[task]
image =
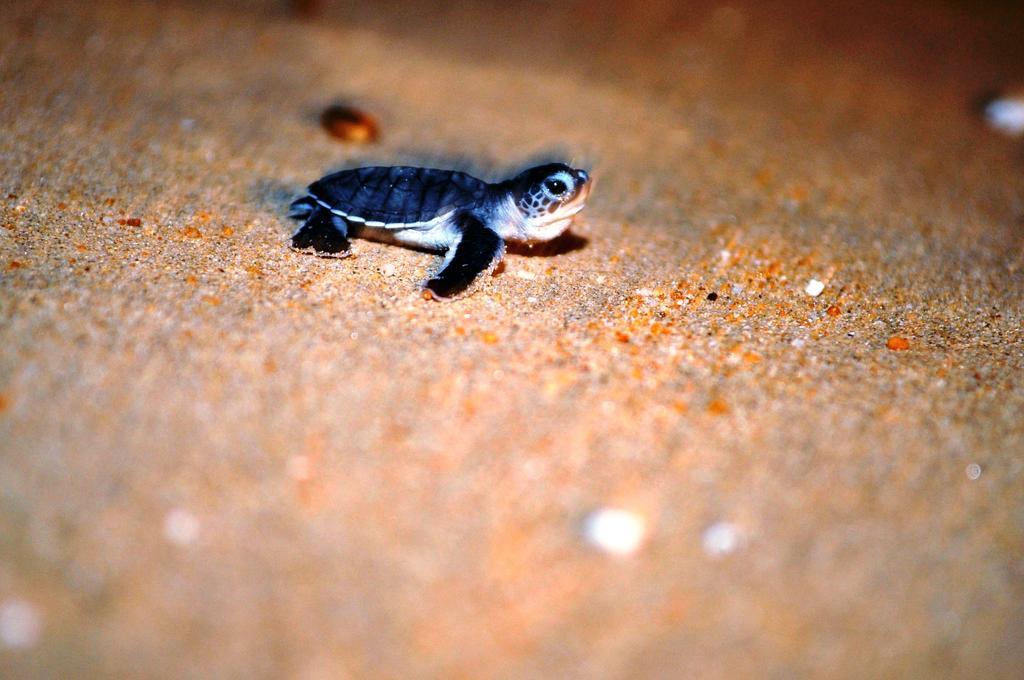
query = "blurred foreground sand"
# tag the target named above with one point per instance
(221, 458)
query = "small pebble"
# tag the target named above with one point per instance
(388, 270)
(973, 471)
(20, 624)
(1006, 114)
(814, 287)
(897, 343)
(181, 527)
(300, 468)
(307, 8)
(349, 124)
(712, 296)
(527, 275)
(614, 530)
(721, 538)
(717, 407)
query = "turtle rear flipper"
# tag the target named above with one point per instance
(477, 250)
(302, 208)
(323, 232)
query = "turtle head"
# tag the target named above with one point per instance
(548, 196)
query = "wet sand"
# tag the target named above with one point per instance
(220, 457)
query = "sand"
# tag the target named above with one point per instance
(222, 458)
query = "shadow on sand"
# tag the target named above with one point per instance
(567, 242)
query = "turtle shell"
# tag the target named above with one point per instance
(397, 196)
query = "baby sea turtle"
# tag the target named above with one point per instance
(442, 210)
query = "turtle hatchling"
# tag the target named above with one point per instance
(443, 210)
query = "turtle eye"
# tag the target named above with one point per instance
(556, 186)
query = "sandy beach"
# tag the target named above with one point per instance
(785, 338)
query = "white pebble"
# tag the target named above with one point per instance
(721, 538)
(388, 269)
(814, 287)
(614, 530)
(1006, 114)
(300, 468)
(20, 624)
(181, 527)
(524, 274)
(973, 471)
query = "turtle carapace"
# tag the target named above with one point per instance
(444, 210)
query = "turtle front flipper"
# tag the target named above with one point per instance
(476, 250)
(323, 232)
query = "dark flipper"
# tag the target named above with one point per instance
(322, 232)
(476, 251)
(301, 208)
